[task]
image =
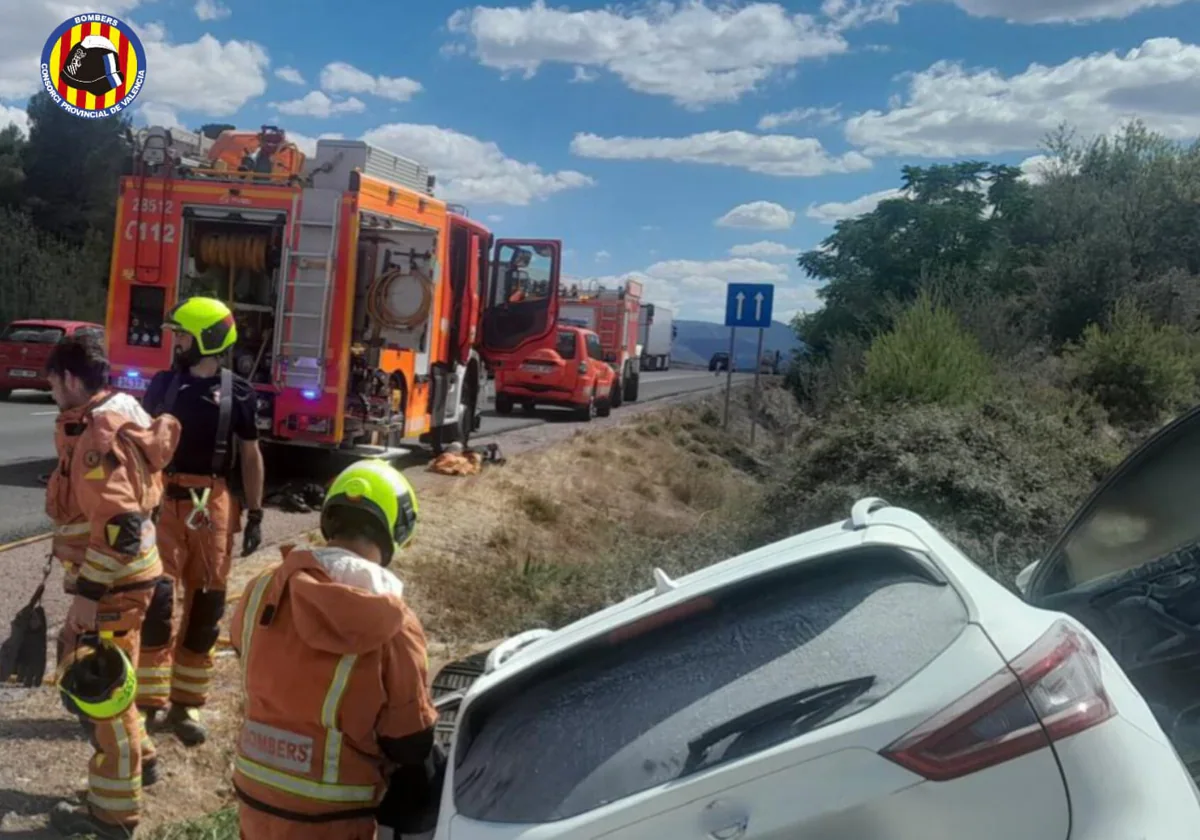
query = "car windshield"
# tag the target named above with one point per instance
(32, 334)
(619, 715)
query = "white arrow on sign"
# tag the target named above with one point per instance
(758, 299)
(741, 298)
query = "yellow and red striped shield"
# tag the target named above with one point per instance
(101, 79)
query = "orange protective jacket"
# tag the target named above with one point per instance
(334, 666)
(103, 492)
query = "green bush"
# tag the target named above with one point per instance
(44, 277)
(1136, 369)
(1000, 477)
(926, 358)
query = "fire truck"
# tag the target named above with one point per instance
(361, 299)
(613, 315)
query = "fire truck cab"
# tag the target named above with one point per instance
(361, 299)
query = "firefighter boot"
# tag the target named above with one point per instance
(75, 821)
(184, 721)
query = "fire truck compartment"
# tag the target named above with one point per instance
(394, 294)
(228, 256)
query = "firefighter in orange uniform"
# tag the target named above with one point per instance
(201, 513)
(334, 673)
(101, 498)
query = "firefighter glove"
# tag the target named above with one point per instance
(252, 535)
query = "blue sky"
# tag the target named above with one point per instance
(687, 144)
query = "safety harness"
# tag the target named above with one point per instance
(199, 513)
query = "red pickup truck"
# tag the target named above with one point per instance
(25, 346)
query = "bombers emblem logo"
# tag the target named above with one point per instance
(93, 66)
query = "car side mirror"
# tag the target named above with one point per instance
(1024, 577)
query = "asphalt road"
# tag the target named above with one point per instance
(27, 445)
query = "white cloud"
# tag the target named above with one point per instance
(340, 77)
(206, 76)
(211, 10)
(307, 144)
(763, 250)
(1059, 11)
(495, 217)
(602, 256)
(692, 52)
(154, 114)
(583, 75)
(820, 116)
(1037, 168)
(848, 14)
(317, 104)
(832, 211)
(290, 74)
(14, 116)
(473, 170)
(768, 154)
(950, 110)
(695, 289)
(758, 215)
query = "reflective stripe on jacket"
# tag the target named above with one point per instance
(104, 489)
(333, 659)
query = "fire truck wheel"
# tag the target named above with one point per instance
(618, 394)
(504, 404)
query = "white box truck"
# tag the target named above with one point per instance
(656, 330)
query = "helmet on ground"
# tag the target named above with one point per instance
(208, 321)
(380, 490)
(98, 680)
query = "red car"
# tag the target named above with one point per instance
(25, 346)
(570, 374)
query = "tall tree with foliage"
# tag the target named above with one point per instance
(71, 167)
(876, 263)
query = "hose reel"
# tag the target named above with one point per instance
(385, 296)
(233, 250)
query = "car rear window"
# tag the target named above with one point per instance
(32, 334)
(615, 718)
(566, 344)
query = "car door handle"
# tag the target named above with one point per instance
(732, 831)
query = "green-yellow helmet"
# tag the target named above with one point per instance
(98, 679)
(208, 321)
(375, 487)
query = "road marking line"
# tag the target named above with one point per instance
(41, 413)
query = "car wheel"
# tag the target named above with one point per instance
(504, 404)
(604, 407)
(5, 393)
(585, 413)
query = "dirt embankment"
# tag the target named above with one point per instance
(575, 520)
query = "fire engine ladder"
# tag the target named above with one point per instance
(308, 275)
(608, 327)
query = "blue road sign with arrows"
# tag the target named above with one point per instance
(749, 305)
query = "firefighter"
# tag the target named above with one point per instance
(101, 498)
(334, 673)
(200, 513)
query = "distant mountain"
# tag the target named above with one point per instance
(696, 341)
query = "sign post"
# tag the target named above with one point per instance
(747, 305)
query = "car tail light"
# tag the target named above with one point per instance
(1052, 690)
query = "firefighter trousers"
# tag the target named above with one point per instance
(121, 747)
(258, 825)
(197, 553)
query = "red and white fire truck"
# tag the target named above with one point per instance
(362, 301)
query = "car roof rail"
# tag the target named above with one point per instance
(860, 514)
(663, 582)
(506, 649)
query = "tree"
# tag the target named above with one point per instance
(12, 172)
(72, 165)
